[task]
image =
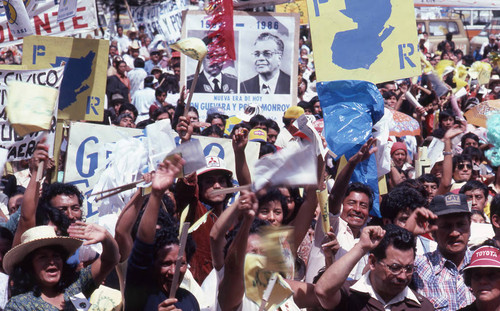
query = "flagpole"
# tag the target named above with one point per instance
(193, 86)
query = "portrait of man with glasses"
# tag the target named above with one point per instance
(267, 54)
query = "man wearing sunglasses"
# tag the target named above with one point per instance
(462, 171)
(267, 53)
(439, 274)
(385, 285)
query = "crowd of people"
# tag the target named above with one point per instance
(431, 240)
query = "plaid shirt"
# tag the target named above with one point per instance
(440, 281)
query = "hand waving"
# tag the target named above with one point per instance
(164, 176)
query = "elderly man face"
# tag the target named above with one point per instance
(267, 57)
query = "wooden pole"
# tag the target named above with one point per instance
(178, 262)
(193, 86)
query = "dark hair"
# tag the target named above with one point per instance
(473, 185)
(8, 236)
(138, 63)
(461, 158)
(268, 36)
(444, 114)
(470, 136)
(298, 200)
(255, 228)
(213, 129)
(266, 148)
(399, 200)
(51, 191)
(428, 178)
(477, 212)
(117, 63)
(169, 83)
(398, 237)
(121, 117)
(23, 277)
(495, 205)
(213, 116)
(257, 120)
(159, 91)
(159, 111)
(304, 105)
(414, 184)
(473, 152)
(359, 187)
(165, 218)
(129, 107)
(169, 236)
(389, 94)
(274, 194)
(46, 214)
(271, 124)
(17, 190)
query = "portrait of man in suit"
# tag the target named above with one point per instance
(270, 79)
(212, 79)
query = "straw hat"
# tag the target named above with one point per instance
(35, 238)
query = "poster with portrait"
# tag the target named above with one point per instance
(264, 71)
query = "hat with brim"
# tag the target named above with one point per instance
(34, 239)
(214, 164)
(485, 257)
(495, 79)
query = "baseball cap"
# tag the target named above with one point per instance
(214, 164)
(485, 257)
(449, 203)
(257, 135)
(217, 110)
(293, 112)
(156, 68)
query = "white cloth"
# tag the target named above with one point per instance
(129, 60)
(284, 137)
(142, 100)
(123, 43)
(364, 286)
(346, 241)
(136, 77)
(4, 292)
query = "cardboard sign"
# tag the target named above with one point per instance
(43, 19)
(296, 6)
(21, 148)
(84, 87)
(373, 41)
(478, 115)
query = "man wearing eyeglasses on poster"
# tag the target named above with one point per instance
(385, 285)
(267, 54)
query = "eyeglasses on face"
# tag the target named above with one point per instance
(266, 53)
(463, 165)
(397, 268)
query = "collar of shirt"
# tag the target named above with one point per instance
(363, 285)
(211, 80)
(438, 260)
(271, 84)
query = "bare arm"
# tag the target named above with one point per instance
(125, 223)
(27, 219)
(342, 180)
(240, 141)
(231, 288)
(303, 294)
(328, 286)
(304, 217)
(445, 184)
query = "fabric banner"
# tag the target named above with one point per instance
(44, 21)
(21, 148)
(89, 147)
(373, 41)
(164, 18)
(86, 60)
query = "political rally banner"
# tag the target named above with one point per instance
(373, 41)
(21, 148)
(88, 151)
(164, 18)
(84, 87)
(295, 6)
(266, 47)
(44, 21)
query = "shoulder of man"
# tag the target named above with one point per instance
(425, 303)
(230, 76)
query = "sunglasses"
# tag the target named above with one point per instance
(462, 166)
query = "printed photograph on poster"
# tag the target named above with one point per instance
(266, 46)
(214, 77)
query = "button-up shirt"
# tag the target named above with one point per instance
(441, 281)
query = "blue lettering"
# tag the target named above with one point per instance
(93, 157)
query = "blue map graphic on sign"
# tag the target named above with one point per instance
(76, 72)
(360, 47)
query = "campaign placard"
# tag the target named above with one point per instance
(373, 41)
(84, 86)
(265, 72)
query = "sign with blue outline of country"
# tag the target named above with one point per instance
(83, 89)
(372, 40)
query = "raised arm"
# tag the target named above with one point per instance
(328, 286)
(445, 183)
(343, 178)
(162, 179)
(223, 224)
(240, 141)
(126, 222)
(92, 234)
(27, 219)
(304, 217)
(231, 288)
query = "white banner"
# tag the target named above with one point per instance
(44, 21)
(458, 3)
(22, 147)
(165, 18)
(85, 158)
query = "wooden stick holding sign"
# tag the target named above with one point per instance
(268, 291)
(178, 263)
(196, 49)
